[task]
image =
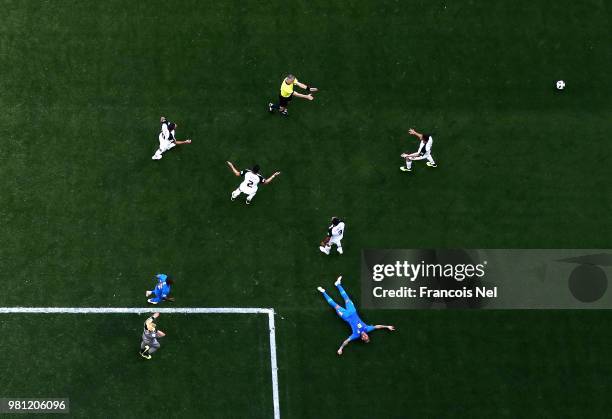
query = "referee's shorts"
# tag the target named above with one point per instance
(284, 101)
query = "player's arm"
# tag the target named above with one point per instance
(341, 348)
(309, 96)
(382, 326)
(415, 133)
(268, 180)
(160, 334)
(306, 87)
(187, 141)
(233, 168)
(162, 119)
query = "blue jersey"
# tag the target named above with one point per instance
(357, 325)
(161, 290)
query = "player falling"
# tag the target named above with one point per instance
(424, 151)
(349, 314)
(252, 179)
(167, 139)
(335, 233)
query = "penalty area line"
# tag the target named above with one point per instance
(172, 310)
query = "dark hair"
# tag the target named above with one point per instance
(169, 281)
(335, 221)
(171, 126)
(255, 169)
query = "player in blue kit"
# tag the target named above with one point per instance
(161, 292)
(349, 314)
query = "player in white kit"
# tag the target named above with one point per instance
(335, 233)
(167, 139)
(252, 179)
(424, 151)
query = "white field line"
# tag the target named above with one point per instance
(171, 310)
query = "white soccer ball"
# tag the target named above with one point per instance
(560, 85)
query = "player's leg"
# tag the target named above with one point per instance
(161, 149)
(347, 300)
(408, 165)
(153, 347)
(280, 105)
(430, 160)
(331, 302)
(283, 103)
(327, 248)
(338, 243)
(236, 193)
(144, 349)
(250, 196)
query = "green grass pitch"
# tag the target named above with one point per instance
(88, 218)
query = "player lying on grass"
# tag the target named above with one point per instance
(167, 139)
(424, 151)
(349, 314)
(161, 292)
(287, 93)
(150, 344)
(249, 185)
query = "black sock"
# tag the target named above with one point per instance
(275, 106)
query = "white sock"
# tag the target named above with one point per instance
(340, 250)
(408, 163)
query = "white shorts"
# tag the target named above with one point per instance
(335, 240)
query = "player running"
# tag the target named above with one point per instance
(149, 343)
(424, 151)
(161, 292)
(349, 314)
(335, 233)
(167, 139)
(287, 93)
(249, 185)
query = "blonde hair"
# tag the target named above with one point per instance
(151, 326)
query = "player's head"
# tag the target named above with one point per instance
(335, 221)
(151, 326)
(161, 277)
(172, 126)
(255, 169)
(365, 337)
(290, 78)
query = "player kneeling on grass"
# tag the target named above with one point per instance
(150, 344)
(167, 139)
(349, 314)
(287, 93)
(335, 233)
(424, 151)
(249, 185)
(161, 292)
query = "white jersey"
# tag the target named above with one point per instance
(251, 180)
(425, 146)
(337, 232)
(166, 134)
